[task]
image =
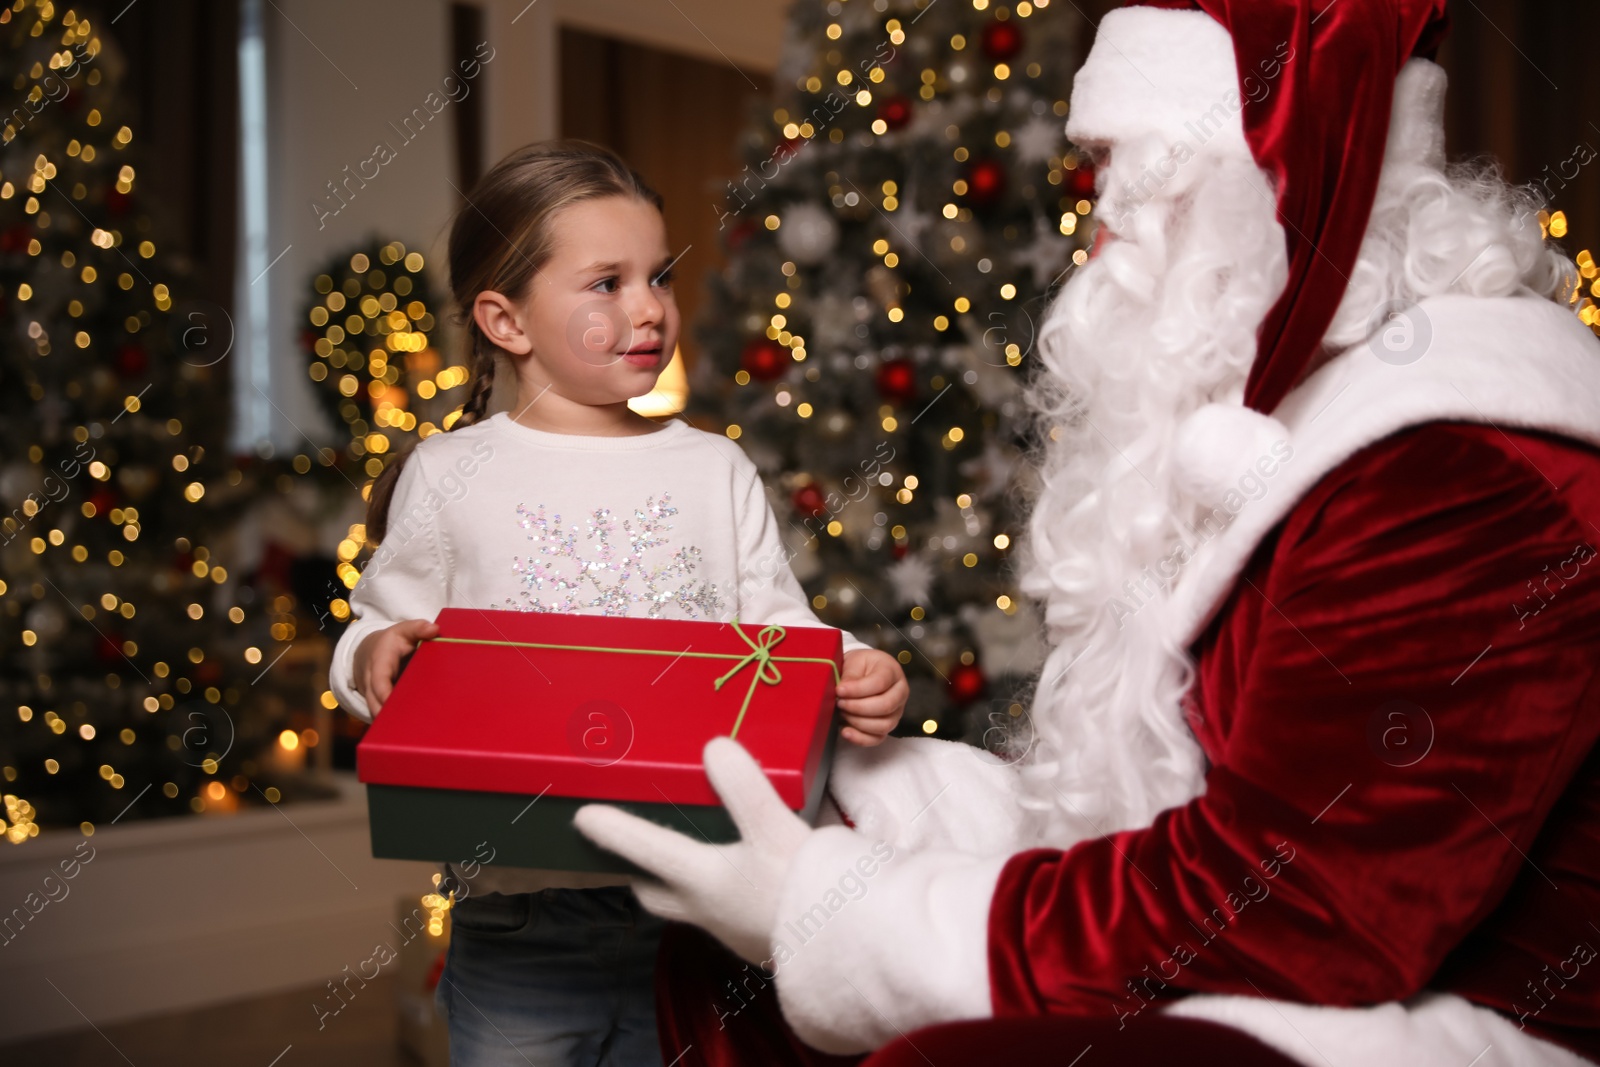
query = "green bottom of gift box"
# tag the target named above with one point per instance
(517, 830)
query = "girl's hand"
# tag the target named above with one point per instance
(872, 694)
(377, 659)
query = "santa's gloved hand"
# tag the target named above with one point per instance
(729, 890)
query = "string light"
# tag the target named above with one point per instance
(438, 907)
(116, 325)
(1587, 291)
(18, 824)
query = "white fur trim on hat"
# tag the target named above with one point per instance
(1160, 71)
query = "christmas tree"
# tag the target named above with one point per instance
(137, 672)
(908, 204)
(368, 333)
(1585, 295)
(369, 320)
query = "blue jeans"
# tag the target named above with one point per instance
(558, 978)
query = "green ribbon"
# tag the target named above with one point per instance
(768, 638)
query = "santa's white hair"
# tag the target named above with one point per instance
(1162, 321)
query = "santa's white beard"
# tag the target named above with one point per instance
(1162, 321)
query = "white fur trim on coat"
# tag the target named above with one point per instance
(1430, 1030)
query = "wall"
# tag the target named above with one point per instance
(524, 105)
(341, 78)
(339, 74)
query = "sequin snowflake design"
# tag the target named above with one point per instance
(588, 569)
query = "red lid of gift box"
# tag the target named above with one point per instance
(488, 706)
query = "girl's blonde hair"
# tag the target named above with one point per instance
(499, 239)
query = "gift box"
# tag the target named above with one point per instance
(501, 727)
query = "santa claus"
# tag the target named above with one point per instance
(1310, 775)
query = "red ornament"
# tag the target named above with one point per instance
(967, 683)
(764, 360)
(741, 232)
(16, 238)
(897, 380)
(986, 182)
(277, 564)
(1001, 41)
(117, 202)
(308, 340)
(103, 501)
(895, 111)
(108, 649)
(898, 550)
(808, 500)
(131, 359)
(786, 149)
(1081, 181)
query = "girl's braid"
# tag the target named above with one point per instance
(482, 380)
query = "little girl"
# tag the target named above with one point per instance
(570, 502)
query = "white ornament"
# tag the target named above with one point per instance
(1007, 644)
(990, 471)
(46, 620)
(953, 526)
(928, 122)
(1046, 255)
(912, 580)
(19, 480)
(808, 233)
(1039, 140)
(910, 224)
(833, 321)
(987, 373)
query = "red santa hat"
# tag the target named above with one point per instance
(1306, 88)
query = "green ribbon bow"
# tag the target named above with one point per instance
(766, 670)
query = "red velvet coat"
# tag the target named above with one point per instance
(1399, 708)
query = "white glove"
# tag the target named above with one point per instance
(729, 890)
